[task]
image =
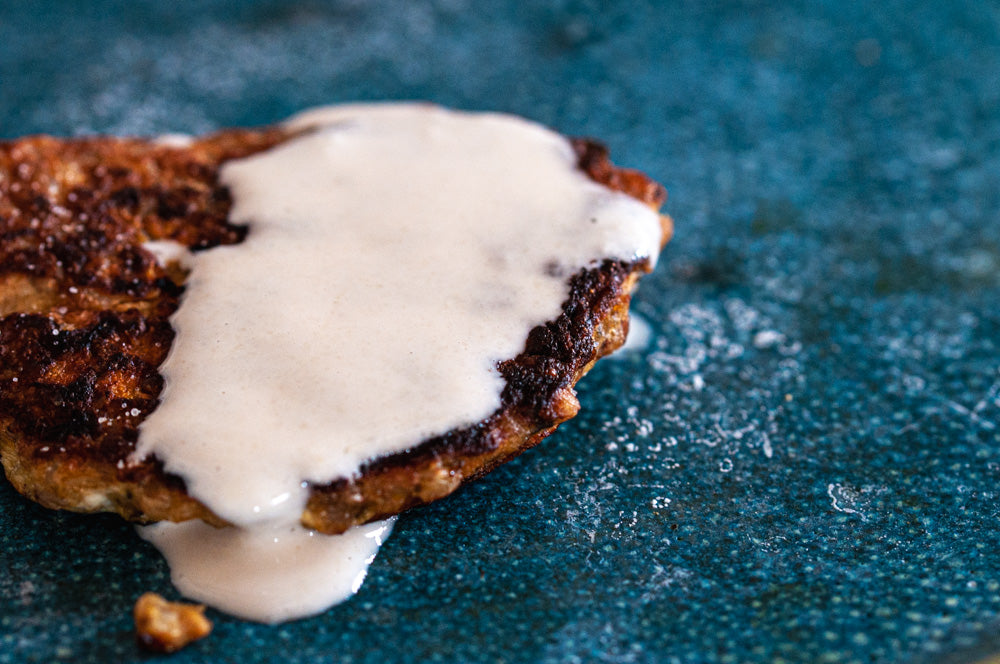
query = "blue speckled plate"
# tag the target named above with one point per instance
(802, 463)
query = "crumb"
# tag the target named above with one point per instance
(163, 626)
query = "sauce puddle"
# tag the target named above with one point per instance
(248, 572)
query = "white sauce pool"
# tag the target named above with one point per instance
(396, 253)
(266, 573)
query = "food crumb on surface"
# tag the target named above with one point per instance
(166, 627)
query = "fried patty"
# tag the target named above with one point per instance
(84, 324)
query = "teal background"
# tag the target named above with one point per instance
(803, 464)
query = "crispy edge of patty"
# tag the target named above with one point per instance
(124, 296)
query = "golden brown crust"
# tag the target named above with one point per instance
(166, 627)
(84, 324)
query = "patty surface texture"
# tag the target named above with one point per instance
(84, 324)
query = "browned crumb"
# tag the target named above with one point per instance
(163, 626)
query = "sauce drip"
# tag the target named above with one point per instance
(267, 573)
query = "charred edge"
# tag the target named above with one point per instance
(592, 157)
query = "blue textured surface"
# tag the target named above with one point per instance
(801, 466)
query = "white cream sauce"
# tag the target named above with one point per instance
(283, 569)
(179, 141)
(395, 254)
(168, 251)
